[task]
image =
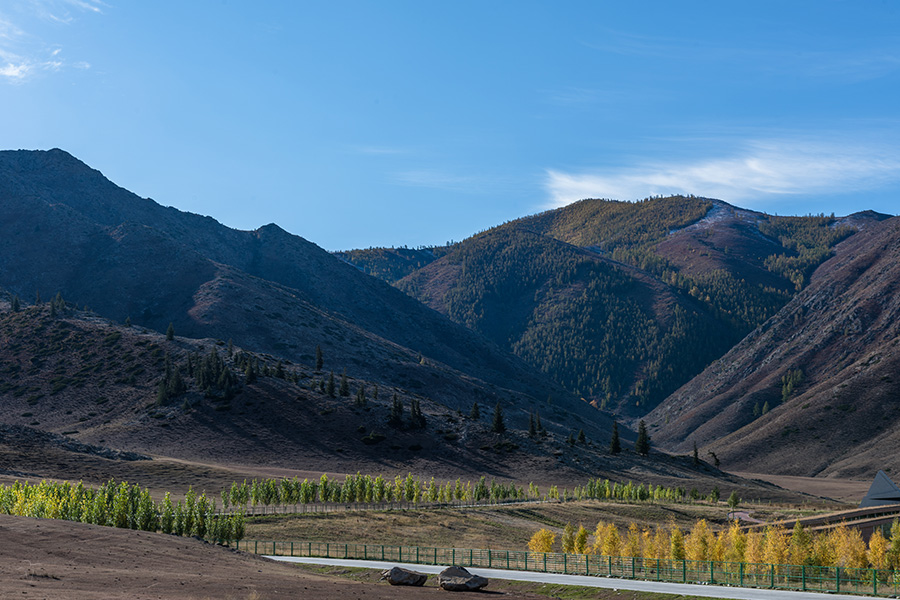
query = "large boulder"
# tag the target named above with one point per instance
(457, 579)
(400, 576)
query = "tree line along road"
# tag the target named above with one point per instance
(704, 591)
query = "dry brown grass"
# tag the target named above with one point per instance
(502, 528)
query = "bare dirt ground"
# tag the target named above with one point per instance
(842, 490)
(63, 560)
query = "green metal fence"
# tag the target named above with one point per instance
(876, 582)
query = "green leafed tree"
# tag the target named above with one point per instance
(170, 332)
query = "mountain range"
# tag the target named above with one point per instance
(741, 332)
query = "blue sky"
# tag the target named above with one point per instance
(357, 124)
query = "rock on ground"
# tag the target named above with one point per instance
(401, 576)
(458, 579)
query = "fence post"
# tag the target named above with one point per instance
(657, 570)
(292, 548)
(490, 563)
(328, 550)
(587, 565)
(874, 582)
(565, 566)
(683, 570)
(837, 579)
(741, 570)
(382, 552)
(507, 560)
(803, 576)
(545, 562)
(418, 562)
(632, 567)
(255, 547)
(453, 554)
(772, 576)
(711, 569)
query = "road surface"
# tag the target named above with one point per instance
(706, 591)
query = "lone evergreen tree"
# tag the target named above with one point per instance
(416, 418)
(581, 439)
(279, 370)
(361, 396)
(319, 360)
(16, 305)
(642, 444)
(696, 455)
(127, 321)
(250, 373)
(476, 412)
(497, 425)
(615, 446)
(532, 430)
(330, 387)
(170, 332)
(395, 419)
(345, 387)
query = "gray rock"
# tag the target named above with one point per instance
(457, 579)
(400, 576)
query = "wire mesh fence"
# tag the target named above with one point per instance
(877, 582)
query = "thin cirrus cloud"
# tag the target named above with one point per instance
(763, 169)
(24, 53)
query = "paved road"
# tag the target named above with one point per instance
(706, 591)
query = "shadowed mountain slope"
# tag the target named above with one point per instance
(66, 228)
(814, 390)
(624, 302)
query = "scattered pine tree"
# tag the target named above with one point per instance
(615, 445)
(642, 444)
(497, 424)
(345, 386)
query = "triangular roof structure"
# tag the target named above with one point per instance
(883, 491)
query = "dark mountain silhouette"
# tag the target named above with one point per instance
(814, 390)
(65, 228)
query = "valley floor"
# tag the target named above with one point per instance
(842, 490)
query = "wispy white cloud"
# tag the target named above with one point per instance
(437, 178)
(379, 150)
(767, 168)
(847, 65)
(24, 53)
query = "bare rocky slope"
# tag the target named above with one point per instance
(839, 413)
(64, 228)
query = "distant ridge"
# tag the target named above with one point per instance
(839, 413)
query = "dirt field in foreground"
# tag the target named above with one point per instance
(63, 560)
